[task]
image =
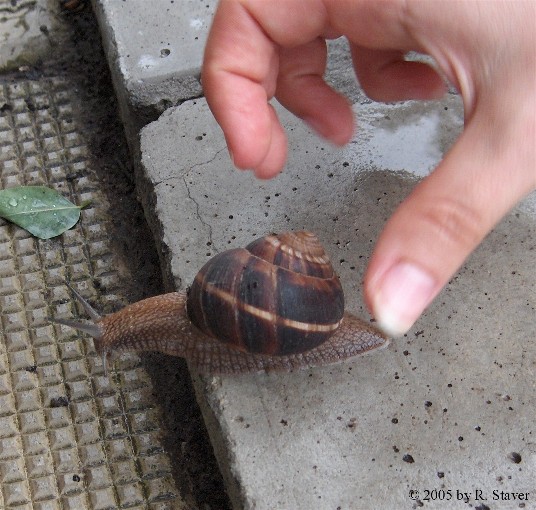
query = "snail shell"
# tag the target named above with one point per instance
(279, 295)
(275, 305)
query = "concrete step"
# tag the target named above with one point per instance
(441, 408)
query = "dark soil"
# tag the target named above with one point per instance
(82, 62)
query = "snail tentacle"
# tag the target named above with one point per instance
(95, 316)
(92, 328)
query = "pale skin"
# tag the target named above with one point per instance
(261, 49)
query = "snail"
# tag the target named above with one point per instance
(275, 305)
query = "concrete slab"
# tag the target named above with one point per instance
(154, 50)
(444, 416)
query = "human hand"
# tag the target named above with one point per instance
(258, 49)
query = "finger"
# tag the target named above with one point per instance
(385, 75)
(238, 75)
(446, 217)
(302, 90)
(276, 155)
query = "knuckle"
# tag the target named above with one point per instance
(453, 222)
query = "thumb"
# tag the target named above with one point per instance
(447, 215)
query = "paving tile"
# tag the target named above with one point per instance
(34, 443)
(46, 505)
(43, 488)
(12, 470)
(130, 494)
(76, 502)
(70, 484)
(16, 493)
(102, 499)
(66, 461)
(33, 421)
(39, 465)
(58, 412)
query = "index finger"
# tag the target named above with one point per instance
(238, 80)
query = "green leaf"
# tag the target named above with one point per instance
(40, 210)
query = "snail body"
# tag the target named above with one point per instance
(275, 305)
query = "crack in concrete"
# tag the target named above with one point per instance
(203, 163)
(216, 154)
(205, 224)
(197, 213)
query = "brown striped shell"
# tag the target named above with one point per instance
(278, 296)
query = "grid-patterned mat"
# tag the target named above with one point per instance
(70, 438)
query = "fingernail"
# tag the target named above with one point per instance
(404, 292)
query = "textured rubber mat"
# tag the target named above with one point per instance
(70, 437)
